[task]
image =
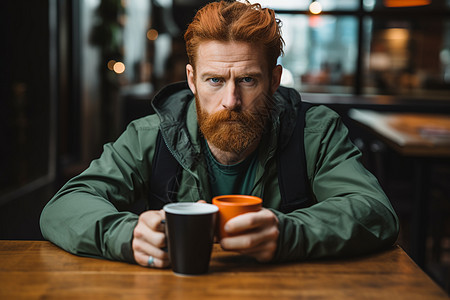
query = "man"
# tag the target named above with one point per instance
(226, 138)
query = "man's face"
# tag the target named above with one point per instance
(233, 88)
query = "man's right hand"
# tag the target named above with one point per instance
(149, 238)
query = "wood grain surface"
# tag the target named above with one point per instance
(40, 270)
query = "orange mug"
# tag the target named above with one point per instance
(231, 206)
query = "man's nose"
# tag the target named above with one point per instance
(232, 98)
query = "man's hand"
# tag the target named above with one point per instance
(149, 238)
(254, 234)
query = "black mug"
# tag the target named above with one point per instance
(190, 236)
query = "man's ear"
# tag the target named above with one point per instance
(191, 78)
(276, 78)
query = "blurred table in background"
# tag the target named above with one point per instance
(410, 134)
(423, 137)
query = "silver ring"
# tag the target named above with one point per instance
(151, 261)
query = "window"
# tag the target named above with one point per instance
(366, 46)
(320, 53)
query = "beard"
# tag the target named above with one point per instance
(234, 130)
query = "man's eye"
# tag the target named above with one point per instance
(247, 80)
(214, 80)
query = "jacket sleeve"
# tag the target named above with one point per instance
(85, 217)
(352, 215)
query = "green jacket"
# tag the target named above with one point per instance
(89, 216)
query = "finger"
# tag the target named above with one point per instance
(161, 263)
(269, 245)
(263, 253)
(154, 219)
(150, 229)
(251, 220)
(250, 239)
(149, 248)
(158, 262)
(239, 242)
(148, 236)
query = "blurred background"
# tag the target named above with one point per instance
(76, 72)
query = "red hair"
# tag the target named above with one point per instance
(235, 21)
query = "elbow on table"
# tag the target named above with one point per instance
(393, 229)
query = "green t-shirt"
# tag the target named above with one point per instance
(231, 179)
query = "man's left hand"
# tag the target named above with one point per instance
(254, 234)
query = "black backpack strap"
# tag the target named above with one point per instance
(292, 173)
(165, 176)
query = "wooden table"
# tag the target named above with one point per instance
(40, 270)
(423, 137)
(410, 134)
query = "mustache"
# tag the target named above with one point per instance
(238, 114)
(229, 115)
(243, 118)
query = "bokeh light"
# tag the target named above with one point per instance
(119, 67)
(315, 8)
(152, 34)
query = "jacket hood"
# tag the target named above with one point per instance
(171, 104)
